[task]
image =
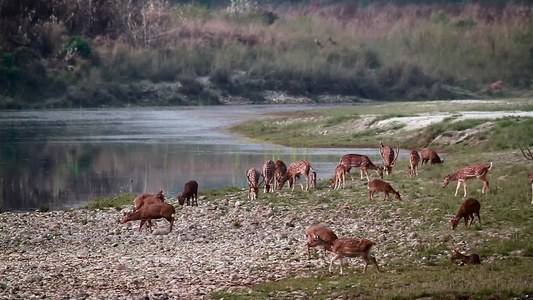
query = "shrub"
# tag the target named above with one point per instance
(76, 45)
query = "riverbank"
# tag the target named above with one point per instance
(232, 248)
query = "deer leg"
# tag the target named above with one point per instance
(171, 223)
(371, 194)
(337, 256)
(150, 225)
(343, 181)
(142, 223)
(341, 260)
(531, 193)
(306, 182)
(373, 259)
(458, 186)
(386, 196)
(479, 219)
(466, 221)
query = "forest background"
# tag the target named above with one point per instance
(102, 53)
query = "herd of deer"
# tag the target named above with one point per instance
(274, 175)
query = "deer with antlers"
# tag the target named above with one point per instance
(463, 174)
(388, 156)
(528, 156)
(360, 161)
(301, 167)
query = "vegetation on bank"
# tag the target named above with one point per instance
(81, 53)
(360, 126)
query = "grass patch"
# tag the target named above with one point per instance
(114, 202)
(386, 117)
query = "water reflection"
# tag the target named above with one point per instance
(62, 159)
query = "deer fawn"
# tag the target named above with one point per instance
(349, 247)
(388, 156)
(431, 156)
(360, 161)
(301, 167)
(466, 259)
(340, 177)
(326, 234)
(281, 169)
(498, 85)
(463, 174)
(380, 185)
(528, 156)
(253, 176)
(467, 210)
(269, 168)
(414, 159)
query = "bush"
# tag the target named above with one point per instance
(76, 45)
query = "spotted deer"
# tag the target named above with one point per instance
(379, 185)
(498, 85)
(326, 234)
(466, 259)
(301, 167)
(528, 156)
(253, 175)
(431, 156)
(463, 174)
(389, 157)
(269, 168)
(349, 247)
(280, 171)
(339, 178)
(414, 159)
(360, 161)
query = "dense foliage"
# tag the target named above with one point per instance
(86, 53)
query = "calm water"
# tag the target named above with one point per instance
(63, 158)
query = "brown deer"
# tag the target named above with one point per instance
(340, 177)
(498, 85)
(301, 167)
(431, 156)
(463, 174)
(382, 186)
(467, 210)
(414, 159)
(349, 247)
(466, 259)
(360, 161)
(333, 43)
(528, 156)
(326, 234)
(269, 168)
(318, 43)
(189, 193)
(281, 169)
(253, 177)
(146, 199)
(389, 157)
(149, 212)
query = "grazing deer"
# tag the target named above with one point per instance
(318, 43)
(269, 168)
(463, 174)
(431, 156)
(340, 177)
(294, 171)
(326, 234)
(414, 159)
(467, 210)
(253, 175)
(382, 186)
(332, 41)
(498, 85)
(189, 195)
(349, 247)
(528, 156)
(388, 156)
(360, 161)
(149, 212)
(281, 169)
(466, 259)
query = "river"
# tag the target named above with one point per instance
(61, 159)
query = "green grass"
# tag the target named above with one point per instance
(110, 202)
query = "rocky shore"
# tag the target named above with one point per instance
(226, 243)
